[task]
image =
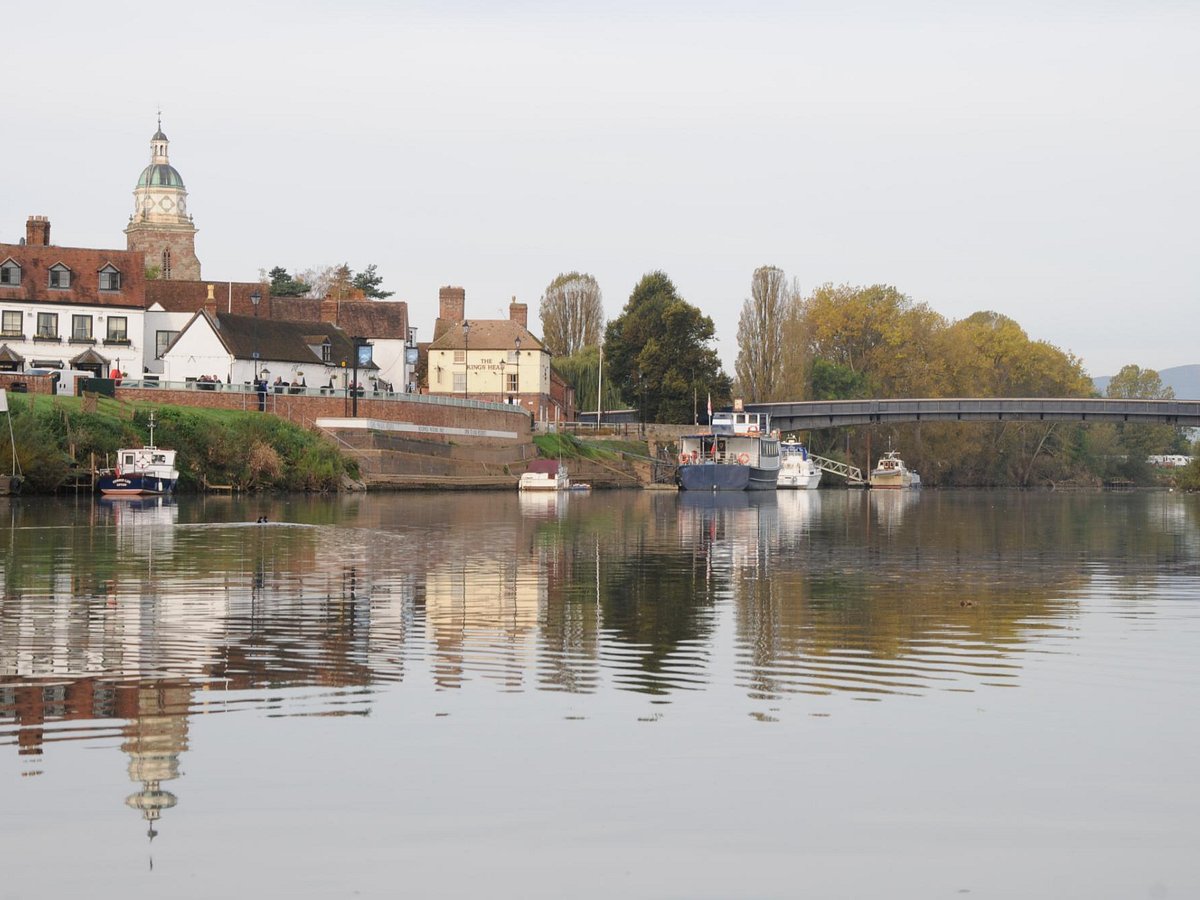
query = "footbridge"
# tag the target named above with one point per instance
(808, 415)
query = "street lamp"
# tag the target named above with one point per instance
(517, 345)
(466, 359)
(256, 298)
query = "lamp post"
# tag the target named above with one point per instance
(466, 359)
(358, 342)
(517, 345)
(256, 298)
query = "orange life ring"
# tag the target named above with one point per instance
(743, 458)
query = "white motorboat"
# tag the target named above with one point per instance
(797, 470)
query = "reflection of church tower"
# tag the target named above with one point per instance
(160, 225)
(156, 737)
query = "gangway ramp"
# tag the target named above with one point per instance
(852, 474)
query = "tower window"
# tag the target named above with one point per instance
(60, 276)
(110, 279)
(166, 263)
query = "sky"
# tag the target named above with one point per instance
(1038, 159)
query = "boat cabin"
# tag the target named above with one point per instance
(741, 423)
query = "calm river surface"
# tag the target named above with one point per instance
(624, 694)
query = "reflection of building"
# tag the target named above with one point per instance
(154, 740)
(486, 606)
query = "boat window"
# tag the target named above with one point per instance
(129, 459)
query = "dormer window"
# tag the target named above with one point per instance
(326, 351)
(60, 276)
(110, 278)
(10, 273)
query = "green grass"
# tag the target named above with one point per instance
(248, 450)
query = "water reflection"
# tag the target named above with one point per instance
(122, 619)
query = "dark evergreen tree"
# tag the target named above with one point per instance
(659, 353)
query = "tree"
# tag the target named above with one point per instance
(760, 359)
(572, 314)
(283, 285)
(368, 281)
(1141, 441)
(659, 353)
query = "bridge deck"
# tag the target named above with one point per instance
(800, 416)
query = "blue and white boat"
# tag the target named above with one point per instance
(140, 471)
(738, 454)
(797, 470)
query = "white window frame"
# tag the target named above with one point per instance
(7, 316)
(60, 277)
(110, 278)
(50, 332)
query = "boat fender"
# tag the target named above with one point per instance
(743, 458)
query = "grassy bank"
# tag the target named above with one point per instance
(55, 438)
(569, 446)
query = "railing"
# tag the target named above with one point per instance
(852, 474)
(296, 390)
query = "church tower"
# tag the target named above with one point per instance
(160, 225)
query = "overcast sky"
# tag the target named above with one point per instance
(1034, 158)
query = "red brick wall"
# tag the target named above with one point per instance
(304, 410)
(36, 384)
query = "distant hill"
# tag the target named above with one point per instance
(1184, 380)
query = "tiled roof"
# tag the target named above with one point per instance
(190, 296)
(85, 264)
(285, 341)
(378, 319)
(486, 334)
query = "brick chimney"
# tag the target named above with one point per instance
(37, 231)
(452, 304)
(519, 313)
(330, 308)
(210, 302)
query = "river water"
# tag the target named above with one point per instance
(635, 694)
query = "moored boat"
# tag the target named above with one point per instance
(890, 473)
(738, 454)
(140, 471)
(547, 475)
(797, 470)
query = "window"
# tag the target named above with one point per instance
(460, 356)
(60, 276)
(10, 273)
(47, 328)
(514, 357)
(162, 340)
(514, 381)
(12, 323)
(166, 264)
(81, 328)
(326, 352)
(460, 382)
(118, 329)
(110, 279)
